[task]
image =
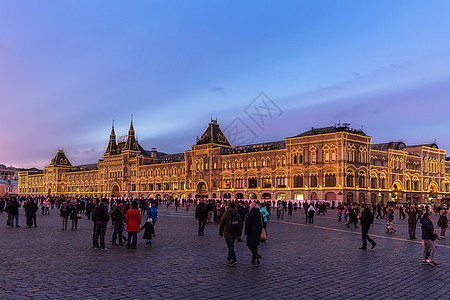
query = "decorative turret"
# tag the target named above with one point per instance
(112, 145)
(131, 143)
(213, 135)
(60, 160)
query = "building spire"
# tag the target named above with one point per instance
(112, 145)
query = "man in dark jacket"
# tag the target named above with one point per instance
(230, 227)
(117, 218)
(413, 217)
(13, 210)
(30, 209)
(428, 236)
(201, 214)
(100, 218)
(366, 220)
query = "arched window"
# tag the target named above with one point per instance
(350, 179)
(313, 180)
(298, 181)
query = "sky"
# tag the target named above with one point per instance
(266, 70)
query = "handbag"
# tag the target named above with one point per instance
(263, 236)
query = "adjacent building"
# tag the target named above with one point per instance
(331, 163)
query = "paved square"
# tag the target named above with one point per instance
(298, 262)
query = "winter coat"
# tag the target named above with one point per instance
(153, 213)
(366, 218)
(100, 213)
(223, 231)
(201, 212)
(64, 211)
(149, 230)
(427, 229)
(253, 227)
(133, 220)
(13, 208)
(74, 210)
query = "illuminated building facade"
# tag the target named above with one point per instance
(331, 163)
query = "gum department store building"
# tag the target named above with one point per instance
(331, 163)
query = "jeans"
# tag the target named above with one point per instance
(428, 244)
(100, 230)
(412, 230)
(201, 225)
(118, 229)
(365, 236)
(12, 220)
(231, 253)
(64, 222)
(132, 238)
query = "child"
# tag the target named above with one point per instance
(148, 233)
(340, 215)
(390, 229)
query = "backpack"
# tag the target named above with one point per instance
(233, 223)
(371, 218)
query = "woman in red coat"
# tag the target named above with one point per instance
(133, 220)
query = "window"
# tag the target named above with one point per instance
(298, 180)
(227, 183)
(281, 181)
(330, 180)
(252, 182)
(239, 183)
(350, 178)
(373, 182)
(266, 182)
(166, 186)
(362, 180)
(313, 179)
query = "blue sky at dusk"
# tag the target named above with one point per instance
(68, 68)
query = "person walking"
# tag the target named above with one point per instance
(133, 220)
(64, 213)
(443, 223)
(366, 220)
(230, 228)
(75, 210)
(428, 235)
(100, 218)
(153, 212)
(311, 212)
(253, 229)
(201, 215)
(149, 232)
(353, 216)
(31, 210)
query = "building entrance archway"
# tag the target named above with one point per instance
(201, 190)
(115, 191)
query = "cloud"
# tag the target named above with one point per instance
(218, 89)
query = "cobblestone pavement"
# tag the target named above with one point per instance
(299, 262)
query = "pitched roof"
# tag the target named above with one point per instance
(331, 129)
(399, 145)
(213, 134)
(255, 148)
(60, 159)
(431, 145)
(169, 158)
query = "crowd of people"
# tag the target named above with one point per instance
(234, 217)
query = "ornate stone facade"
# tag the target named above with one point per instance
(331, 163)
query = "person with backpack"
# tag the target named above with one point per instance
(253, 229)
(366, 220)
(117, 217)
(230, 228)
(201, 215)
(443, 223)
